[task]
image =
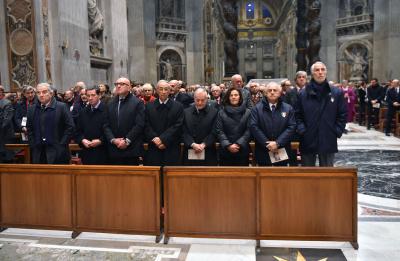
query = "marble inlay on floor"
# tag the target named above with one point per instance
(18, 248)
(378, 171)
(305, 254)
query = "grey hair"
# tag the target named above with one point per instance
(158, 83)
(27, 88)
(313, 66)
(299, 73)
(198, 90)
(48, 86)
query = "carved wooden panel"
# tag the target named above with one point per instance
(21, 43)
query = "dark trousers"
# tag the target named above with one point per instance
(373, 115)
(388, 121)
(361, 113)
(325, 160)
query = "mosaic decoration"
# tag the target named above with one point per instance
(21, 43)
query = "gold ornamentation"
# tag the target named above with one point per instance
(300, 257)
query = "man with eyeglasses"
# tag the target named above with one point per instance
(124, 127)
(147, 93)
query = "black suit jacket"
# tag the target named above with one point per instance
(199, 127)
(129, 124)
(90, 126)
(63, 127)
(165, 123)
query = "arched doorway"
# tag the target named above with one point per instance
(170, 66)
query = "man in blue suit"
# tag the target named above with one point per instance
(321, 115)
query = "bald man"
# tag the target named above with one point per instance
(198, 131)
(125, 124)
(237, 82)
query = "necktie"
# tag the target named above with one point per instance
(273, 108)
(119, 105)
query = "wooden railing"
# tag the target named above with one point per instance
(116, 199)
(261, 203)
(228, 202)
(75, 148)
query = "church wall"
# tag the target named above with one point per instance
(194, 41)
(381, 47)
(118, 36)
(70, 37)
(328, 49)
(142, 41)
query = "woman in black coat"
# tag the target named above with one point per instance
(233, 130)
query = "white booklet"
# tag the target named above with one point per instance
(376, 105)
(192, 155)
(279, 155)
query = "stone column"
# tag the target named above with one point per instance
(117, 38)
(40, 53)
(386, 57)
(142, 63)
(4, 78)
(260, 62)
(194, 41)
(328, 37)
(69, 37)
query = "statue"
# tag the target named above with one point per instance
(167, 70)
(358, 64)
(228, 13)
(301, 36)
(96, 27)
(314, 27)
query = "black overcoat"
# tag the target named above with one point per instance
(163, 121)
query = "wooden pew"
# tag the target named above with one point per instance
(261, 203)
(115, 199)
(26, 152)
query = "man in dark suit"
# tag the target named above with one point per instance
(393, 102)
(50, 128)
(164, 118)
(198, 131)
(291, 99)
(124, 127)
(291, 93)
(237, 82)
(6, 126)
(361, 98)
(29, 99)
(272, 125)
(321, 115)
(375, 94)
(184, 98)
(89, 130)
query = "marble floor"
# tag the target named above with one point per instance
(378, 224)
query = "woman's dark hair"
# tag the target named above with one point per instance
(228, 93)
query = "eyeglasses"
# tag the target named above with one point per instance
(120, 83)
(147, 90)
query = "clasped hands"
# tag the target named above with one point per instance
(91, 144)
(272, 146)
(157, 141)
